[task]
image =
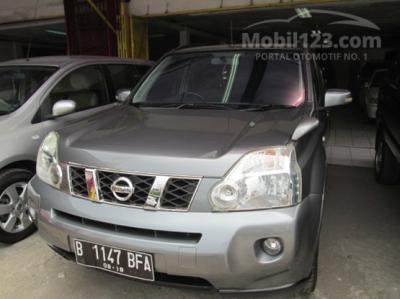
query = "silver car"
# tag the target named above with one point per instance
(44, 94)
(211, 174)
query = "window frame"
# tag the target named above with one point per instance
(54, 68)
(37, 118)
(110, 81)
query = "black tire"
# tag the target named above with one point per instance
(387, 170)
(7, 178)
(309, 285)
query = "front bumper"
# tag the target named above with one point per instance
(228, 254)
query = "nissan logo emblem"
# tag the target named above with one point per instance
(122, 189)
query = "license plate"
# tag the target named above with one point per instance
(133, 264)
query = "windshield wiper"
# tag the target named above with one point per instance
(267, 107)
(156, 105)
(181, 105)
(204, 106)
(211, 106)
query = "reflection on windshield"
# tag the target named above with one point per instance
(224, 78)
(18, 83)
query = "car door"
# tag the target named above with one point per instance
(391, 109)
(86, 86)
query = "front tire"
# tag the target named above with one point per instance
(387, 170)
(15, 221)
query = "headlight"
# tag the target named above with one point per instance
(48, 168)
(265, 179)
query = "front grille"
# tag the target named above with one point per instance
(142, 186)
(140, 233)
(78, 181)
(176, 194)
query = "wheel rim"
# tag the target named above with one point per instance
(14, 215)
(379, 157)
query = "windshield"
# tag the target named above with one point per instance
(224, 78)
(18, 83)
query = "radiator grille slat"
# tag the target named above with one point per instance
(78, 181)
(168, 236)
(178, 193)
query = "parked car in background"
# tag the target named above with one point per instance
(212, 174)
(370, 90)
(40, 95)
(387, 159)
(367, 87)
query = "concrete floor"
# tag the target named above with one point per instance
(351, 138)
(359, 255)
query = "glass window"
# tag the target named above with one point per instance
(85, 86)
(225, 78)
(126, 76)
(18, 83)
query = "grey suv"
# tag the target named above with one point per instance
(212, 173)
(37, 96)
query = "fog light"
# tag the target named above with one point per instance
(272, 246)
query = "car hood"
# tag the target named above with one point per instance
(174, 142)
(4, 123)
(4, 117)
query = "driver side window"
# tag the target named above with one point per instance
(85, 86)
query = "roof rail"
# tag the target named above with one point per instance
(191, 46)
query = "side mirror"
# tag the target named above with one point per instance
(122, 95)
(63, 107)
(337, 97)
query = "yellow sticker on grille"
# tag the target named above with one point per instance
(90, 177)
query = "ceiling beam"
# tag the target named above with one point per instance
(193, 31)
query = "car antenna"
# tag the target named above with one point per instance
(231, 33)
(28, 51)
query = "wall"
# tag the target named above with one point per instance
(159, 7)
(10, 50)
(24, 10)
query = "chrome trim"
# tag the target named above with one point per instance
(128, 190)
(156, 192)
(158, 178)
(70, 181)
(177, 176)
